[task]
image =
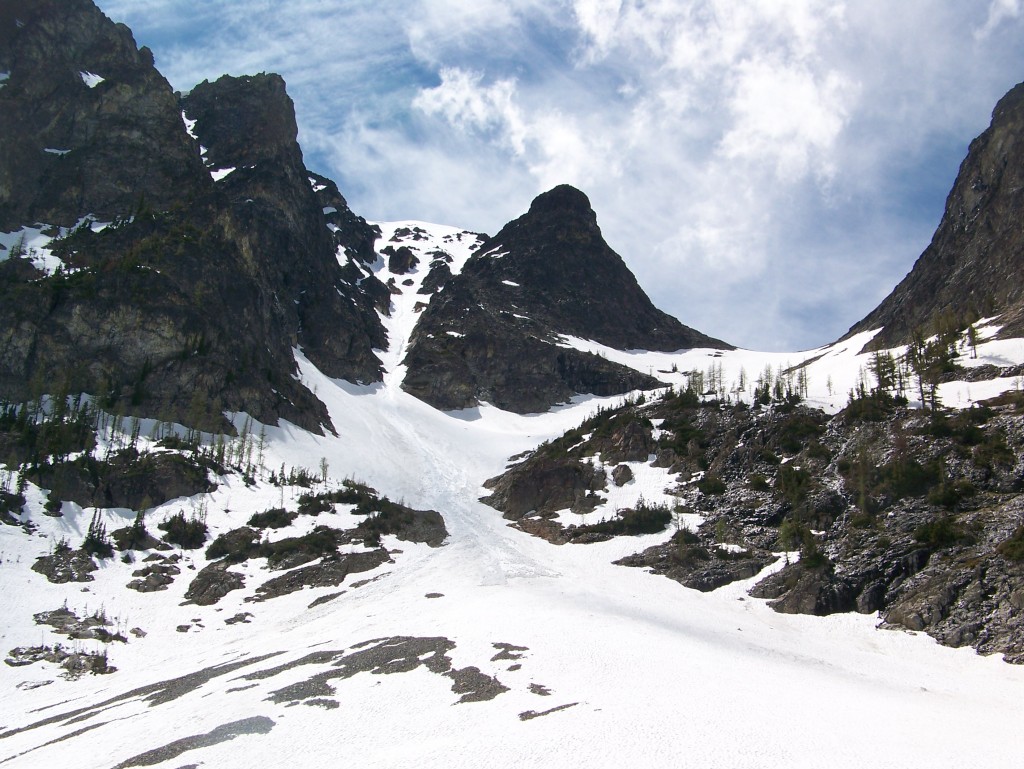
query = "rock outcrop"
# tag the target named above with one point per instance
(89, 125)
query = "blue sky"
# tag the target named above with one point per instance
(769, 169)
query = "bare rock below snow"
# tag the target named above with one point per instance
(401, 260)
(622, 475)
(699, 564)
(128, 478)
(213, 583)
(330, 572)
(93, 627)
(74, 662)
(542, 485)
(799, 589)
(66, 565)
(154, 577)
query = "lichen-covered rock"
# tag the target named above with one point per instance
(213, 583)
(66, 565)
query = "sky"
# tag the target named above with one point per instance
(769, 169)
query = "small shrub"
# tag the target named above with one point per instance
(275, 518)
(711, 485)
(942, 533)
(793, 483)
(686, 537)
(862, 521)
(186, 533)
(238, 545)
(642, 519)
(759, 483)
(96, 541)
(797, 430)
(948, 495)
(1013, 548)
(993, 451)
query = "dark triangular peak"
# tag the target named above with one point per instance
(493, 333)
(569, 278)
(974, 264)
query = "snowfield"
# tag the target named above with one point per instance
(498, 648)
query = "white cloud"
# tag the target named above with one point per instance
(787, 116)
(998, 12)
(467, 104)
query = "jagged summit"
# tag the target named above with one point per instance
(576, 283)
(495, 332)
(81, 111)
(561, 201)
(223, 255)
(972, 267)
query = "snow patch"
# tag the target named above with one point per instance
(220, 173)
(91, 79)
(190, 125)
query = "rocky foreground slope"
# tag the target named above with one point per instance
(916, 516)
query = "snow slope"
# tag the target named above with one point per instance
(603, 665)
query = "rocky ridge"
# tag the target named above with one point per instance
(191, 301)
(972, 267)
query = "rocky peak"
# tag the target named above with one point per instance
(570, 279)
(973, 264)
(89, 125)
(561, 206)
(218, 264)
(494, 332)
(245, 120)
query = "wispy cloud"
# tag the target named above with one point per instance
(768, 168)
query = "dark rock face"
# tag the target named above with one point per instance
(248, 123)
(973, 265)
(192, 302)
(801, 590)
(126, 479)
(542, 485)
(492, 332)
(105, 134)
(328, 573)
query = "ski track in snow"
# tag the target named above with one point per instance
(640, 670)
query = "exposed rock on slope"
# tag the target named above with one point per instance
(493, 332)
(912, 515)
(973, 265)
